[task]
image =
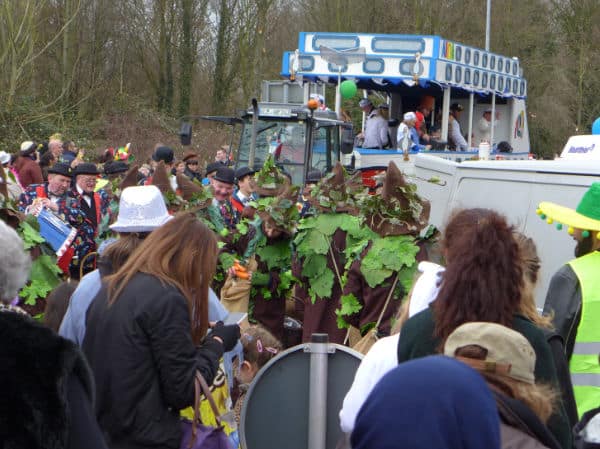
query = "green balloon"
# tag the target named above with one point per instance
(348, 89)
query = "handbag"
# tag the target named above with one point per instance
(368, 340)
(195, 434)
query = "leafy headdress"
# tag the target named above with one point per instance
(281, 210)
(131, 178)
(337, 192)
(398, 210)
(270, 181)
(161, 180)
(194, 193)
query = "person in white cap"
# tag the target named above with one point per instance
(321, 100)
(141, 210)
(376, 127)
(485, 126)
(408, 136)
(28, 170)
(13, 189)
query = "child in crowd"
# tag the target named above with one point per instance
(260, 346)
(57, 303)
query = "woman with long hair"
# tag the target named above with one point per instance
(146, 335)
(483, 281)
(141, 211)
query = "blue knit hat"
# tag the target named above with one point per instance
(431, 402)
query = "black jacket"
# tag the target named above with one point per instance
(46, 389)
(141, 352)
(563, 301)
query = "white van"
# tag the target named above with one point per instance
(514, 188)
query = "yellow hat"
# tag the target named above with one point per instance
(585, 217)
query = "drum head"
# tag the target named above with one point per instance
(275, 411)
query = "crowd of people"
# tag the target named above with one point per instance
(157, 259)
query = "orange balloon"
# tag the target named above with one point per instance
(312, 104)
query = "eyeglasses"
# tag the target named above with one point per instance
(192, 162)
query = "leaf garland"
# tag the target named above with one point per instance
(313, 243)
(349, 306)
(29, 233)
(386, 256)
(391, 210)
(44, 276)
(269, 176)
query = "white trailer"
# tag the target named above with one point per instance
(514, 188)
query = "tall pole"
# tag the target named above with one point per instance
(488, 20)
(338, 95)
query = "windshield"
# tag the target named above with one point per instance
(286, 141)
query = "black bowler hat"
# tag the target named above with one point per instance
(213, 167)
(243, 171)
(61, 168)
(225, 174)
(114, 167)
(86, 168)
(163, 154)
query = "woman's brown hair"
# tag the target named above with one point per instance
(531, 268)
(117, 253)
(540, 398)
(483, 279)
(181, 253)
(57, 303)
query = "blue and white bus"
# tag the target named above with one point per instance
(405, 68)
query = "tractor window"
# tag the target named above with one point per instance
(285, 140)
(325, 148)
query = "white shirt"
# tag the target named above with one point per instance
(457, 137)
(245, 200)
(376, 131)
(485, 129)
(87, 199)
(403, 141)
(381, 359)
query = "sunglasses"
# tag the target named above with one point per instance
(192, 162)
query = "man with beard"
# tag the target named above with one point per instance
(574, 295)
